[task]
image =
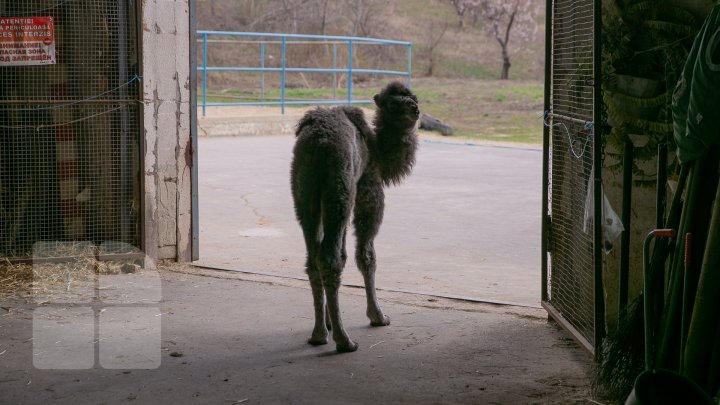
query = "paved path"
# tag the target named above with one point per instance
(466, 223)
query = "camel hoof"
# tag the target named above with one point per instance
(384, 322)
(347, 348)
(317, 342)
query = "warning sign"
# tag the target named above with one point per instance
(27, 41)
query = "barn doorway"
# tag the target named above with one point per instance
(466, 224)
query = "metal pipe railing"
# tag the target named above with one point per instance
(262, 75)
(206, 37)
(204, 76)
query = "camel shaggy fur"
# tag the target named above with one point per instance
(340, 166)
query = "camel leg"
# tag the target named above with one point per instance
(343, 343)
(320, 331)
(328, 323)
(366, 263)
(330, 261)
(343, 256)
(369, 207)
(311, 225)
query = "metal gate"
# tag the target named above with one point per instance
(69, 124)
(571, 263)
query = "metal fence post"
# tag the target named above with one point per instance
(409, 66)
(350, 67)
(262, 73)
(194, 198)
(334, 73)
(126, 222)
(282, 78)
(547, 134)
(204, 78)
(597, 181)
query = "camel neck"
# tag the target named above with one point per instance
(394, 152)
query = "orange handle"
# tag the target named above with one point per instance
(663, 233)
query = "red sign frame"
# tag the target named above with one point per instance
(26, 41)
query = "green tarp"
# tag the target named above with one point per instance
(696, 99)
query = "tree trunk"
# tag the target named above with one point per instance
(504, 45)
(506, 65)
(505, 75)
(431, 123)
(324, 18)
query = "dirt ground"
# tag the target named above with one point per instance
(230, 338)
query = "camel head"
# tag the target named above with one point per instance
(397, 104)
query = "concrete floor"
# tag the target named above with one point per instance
(465, 223)
(230, 338)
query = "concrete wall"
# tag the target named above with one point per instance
(168, 152)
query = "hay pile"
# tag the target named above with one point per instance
(60, 273)
(15, 279)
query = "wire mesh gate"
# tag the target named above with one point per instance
(571, 263)
(69, 130)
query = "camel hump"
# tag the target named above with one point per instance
(325, 118)
(357, 117)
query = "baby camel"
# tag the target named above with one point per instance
(340, 165)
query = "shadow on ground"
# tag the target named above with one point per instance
(241, 339)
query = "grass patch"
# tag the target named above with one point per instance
(506, 111)
(492, 110)
(463, 69)
(531, 91)
(500, 97)
(295, 94)
(522, 128)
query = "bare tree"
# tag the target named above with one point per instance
(323, 25)
(290, 12)
(364, 16)
(504, 17)
(431, 38)
(339, 17)
(465, 8)
(292, 16)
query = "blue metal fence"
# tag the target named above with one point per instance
(262, 39)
